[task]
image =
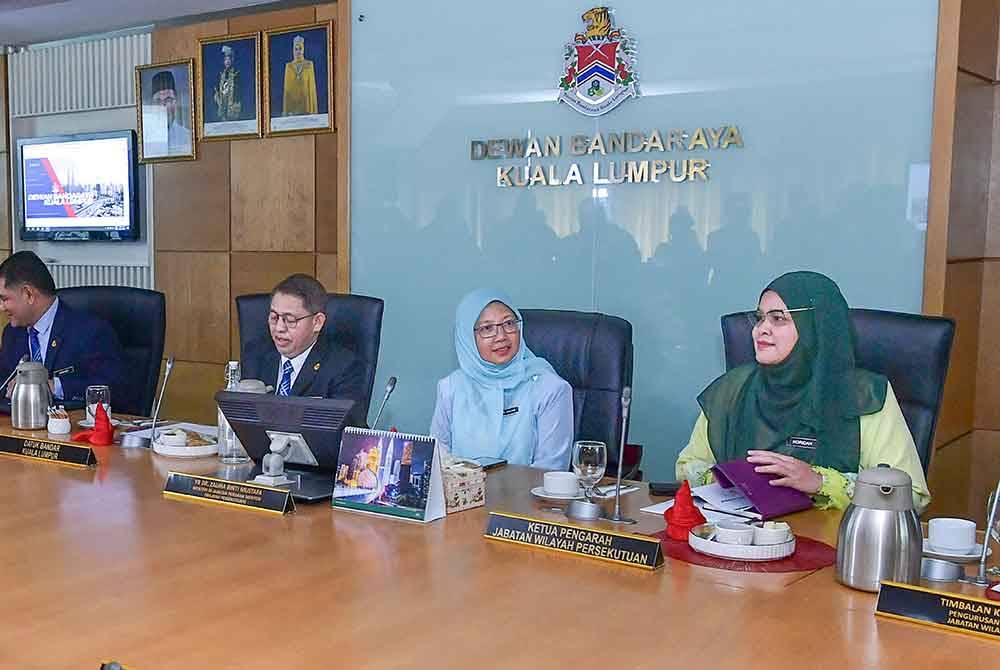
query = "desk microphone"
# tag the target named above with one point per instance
(11, 375)
(617, 516)
(390, 386)
(163, 387)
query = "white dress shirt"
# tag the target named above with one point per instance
(297, 364)
(44, 328)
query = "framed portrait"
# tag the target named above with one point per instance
(164, 99)
(298, 79)
(229, 86)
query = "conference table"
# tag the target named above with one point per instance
(98, 565)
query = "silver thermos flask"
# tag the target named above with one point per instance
(880, 536)
(31, 397)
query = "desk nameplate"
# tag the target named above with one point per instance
(940, 609)
(241, 495)
(50, 451)
(633, 550)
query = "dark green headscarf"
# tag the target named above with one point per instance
(816, 393)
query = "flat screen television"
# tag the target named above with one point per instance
(79, 187)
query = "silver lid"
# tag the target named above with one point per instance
(883, 487)
(32, 372)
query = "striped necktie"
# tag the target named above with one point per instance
(36, 350)
(285, 387)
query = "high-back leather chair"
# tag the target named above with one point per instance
(353, 321)
(139, 318)
(911, 350)
(593, 352)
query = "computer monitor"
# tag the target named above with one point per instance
(313, 424)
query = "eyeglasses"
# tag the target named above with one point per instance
(489, 330)
(289, 320)
(776, 318)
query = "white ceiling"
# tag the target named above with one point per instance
(33, 21)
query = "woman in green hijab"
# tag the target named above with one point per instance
(803, 411)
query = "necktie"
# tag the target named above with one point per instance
(36, 350)
(285, 387)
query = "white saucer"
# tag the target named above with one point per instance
(185, 451)
(970, 557)
(539, 492)
(87, 423)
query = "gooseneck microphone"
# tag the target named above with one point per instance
(617, 516)
(163, 387)
(390, 386)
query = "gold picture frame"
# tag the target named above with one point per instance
(162, 135)
(222, 126)
(301, 87)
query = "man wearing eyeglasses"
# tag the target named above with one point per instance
(299, 358)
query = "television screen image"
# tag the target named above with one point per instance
(78, 187)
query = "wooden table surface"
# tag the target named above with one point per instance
(97, 565)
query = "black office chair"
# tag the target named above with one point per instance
(354, 321)
(593, 352)
(911, 350)
(139, 318)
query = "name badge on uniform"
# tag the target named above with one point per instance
(64, 371)
(510, 411)
(802, 442)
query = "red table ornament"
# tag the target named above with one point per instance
(682, 516)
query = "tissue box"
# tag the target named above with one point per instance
(464, 485)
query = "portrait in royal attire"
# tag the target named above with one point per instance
(298, 79)
(230, 86)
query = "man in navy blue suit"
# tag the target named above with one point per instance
(299, 358)
(76, 348)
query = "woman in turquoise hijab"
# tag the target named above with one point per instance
(803, 411)
(502, 401)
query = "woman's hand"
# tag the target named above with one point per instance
(791, 472)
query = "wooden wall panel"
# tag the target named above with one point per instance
(970, 168)
(258, 273)
(327, 12)
(942, 137)
(191, 201)
(268, 20)
(326, 193)
(182, 41)
(326, 271)
(273, 194)
(197, 290)
(977, 50)
(988, 374)
(963, 293)
(342, 92)
(190, 396)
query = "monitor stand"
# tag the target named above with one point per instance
(304, 485)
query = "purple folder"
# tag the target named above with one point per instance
(768, 501)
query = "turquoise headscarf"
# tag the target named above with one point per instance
(483, 390)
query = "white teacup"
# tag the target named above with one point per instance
(561, 483)
(734, 532)
(951, 536)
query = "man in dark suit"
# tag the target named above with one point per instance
(77, 349)
(299, 358)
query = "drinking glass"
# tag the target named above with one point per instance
(590, 459)
(97, 394)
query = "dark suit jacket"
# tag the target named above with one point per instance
(330, 370)
(83, 350)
